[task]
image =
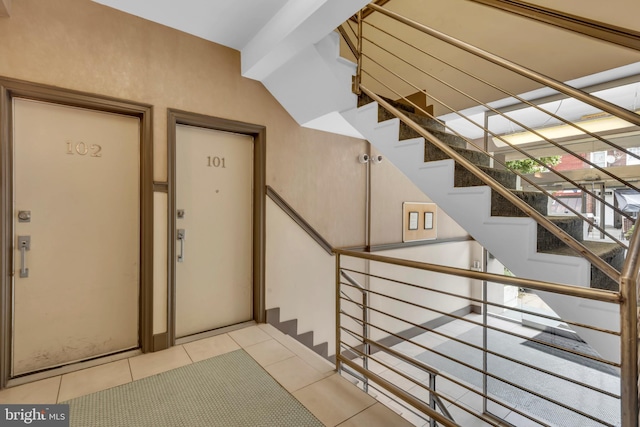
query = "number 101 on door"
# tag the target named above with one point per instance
(215, 162)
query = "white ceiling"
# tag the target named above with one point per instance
(235, 23)
(232, 23)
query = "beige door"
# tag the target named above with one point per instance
(214, 277)
(76, 234)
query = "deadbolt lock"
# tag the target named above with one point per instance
(24, 216)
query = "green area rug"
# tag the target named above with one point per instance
(227, 390)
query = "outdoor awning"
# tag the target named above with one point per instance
(628, 200)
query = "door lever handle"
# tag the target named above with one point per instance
(24, 244)
(181, 237)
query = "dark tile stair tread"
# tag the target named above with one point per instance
(433, 153)
(464, 178)
(424, 121)
(603, 250)
(571, 225)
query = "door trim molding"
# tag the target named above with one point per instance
(258, 132)
(11, 88)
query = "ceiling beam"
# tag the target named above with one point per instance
(5, 8)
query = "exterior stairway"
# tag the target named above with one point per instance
(524, 247)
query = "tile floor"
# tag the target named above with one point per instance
(309, 378)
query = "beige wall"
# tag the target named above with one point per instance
(81, 45)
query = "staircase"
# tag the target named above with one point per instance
(524, 247)
(290, 327)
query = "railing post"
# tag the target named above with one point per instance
(432, 397)
(365, 328)
(358, 77)
(337, 308)
(629, 335)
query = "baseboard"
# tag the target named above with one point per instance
(160, 341)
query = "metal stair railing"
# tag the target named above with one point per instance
(367, 51)
(398, 85)
(399, 299)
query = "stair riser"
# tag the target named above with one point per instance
(500, 206)
(426, 122)
(572, 226)
(433, 153)
(464, 178)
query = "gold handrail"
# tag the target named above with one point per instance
(629, 278)
(538, 285)
(495, 185)
(601, 104)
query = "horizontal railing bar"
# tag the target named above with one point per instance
(502, 138)
(435, 393)
(443, 313)
(417, 403)
(355, 375)
(348, 298)
(347, 39)
(519, 69)
(401, 403)
(519, 362)
(393, 369)
(501, 111)
(498, 188)
(350, 279)
(524, 177)
(510, 383)
(492, 304)
(458, 383)
(576, 291)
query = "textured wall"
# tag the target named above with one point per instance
(78, 44)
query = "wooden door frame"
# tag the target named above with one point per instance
(10, 89)
(258, 132)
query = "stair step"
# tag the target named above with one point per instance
(426, 122)
(612, 253)
(305, 338)
(433, 153)
(322, 349)
(290, 328)
(502, 207)
(464, 178)
(572, 225)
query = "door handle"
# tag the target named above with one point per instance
(181, 236)
(24, 244)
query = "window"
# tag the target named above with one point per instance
(632, 160)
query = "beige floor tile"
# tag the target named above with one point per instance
(294, 373)
(305, 353)
(43, 391)
(271, 330)
(410, 416)
(333, 399)
(210, 347)
(269, 352)
(149, 364)
(377, 415)
(94, 379)
(249, 336)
